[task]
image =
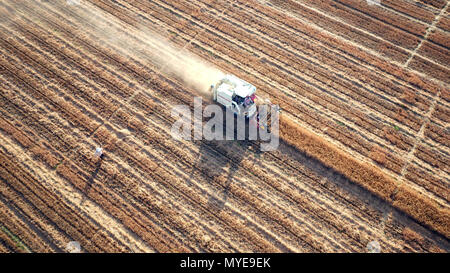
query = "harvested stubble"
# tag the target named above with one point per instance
(368, 176)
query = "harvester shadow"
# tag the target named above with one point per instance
(218, 164)
(388, 215)
(91, 179)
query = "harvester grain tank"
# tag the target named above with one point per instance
(235, 94)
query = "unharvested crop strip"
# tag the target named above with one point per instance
(419, 207)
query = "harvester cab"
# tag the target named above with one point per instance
(235, 94)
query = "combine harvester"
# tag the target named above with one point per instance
(239, 96)
(235, 94)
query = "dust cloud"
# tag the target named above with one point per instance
(142, 41)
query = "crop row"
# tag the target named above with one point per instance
(361, 57)
(428, 180)
(429, 68)
(397, 29)
(411, 9)
(16, 223)
(135, 227)
(7, 244)
(438, 4)
(441, 113)
(29, 190)
(98, 99)
(444, 23)
(421, 208)
(436, 47)
(437, 133)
